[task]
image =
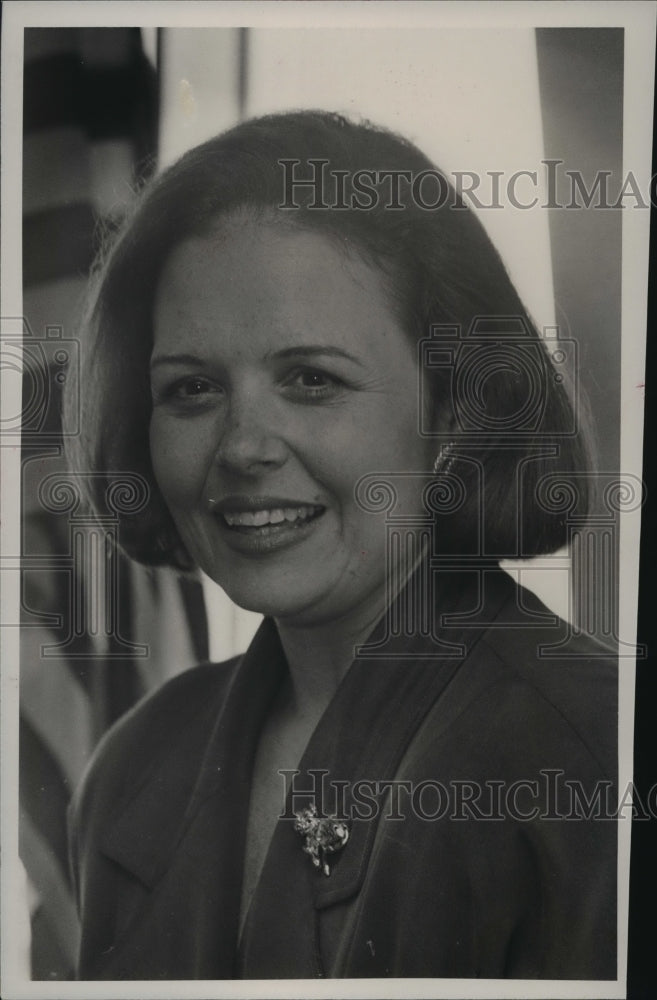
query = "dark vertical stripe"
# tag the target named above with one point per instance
(159, 41)
(643, 868)
(581, 91)
(242, 71)
(156, 110)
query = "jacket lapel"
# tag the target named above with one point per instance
(186, 926)
(379, 706)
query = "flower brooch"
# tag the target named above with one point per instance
(323, 836)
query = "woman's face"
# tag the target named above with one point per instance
(280, 376)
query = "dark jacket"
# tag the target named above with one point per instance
(486, 854)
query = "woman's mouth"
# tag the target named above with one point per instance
(247, 520)
(256, 527)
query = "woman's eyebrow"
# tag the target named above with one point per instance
(302, 350)
(175, 359)
(313, 351)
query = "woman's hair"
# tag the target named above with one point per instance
(488, 372)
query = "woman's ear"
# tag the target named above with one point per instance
(438, 419)
(442, 421)
(442, 442)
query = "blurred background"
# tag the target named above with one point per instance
(104, 109)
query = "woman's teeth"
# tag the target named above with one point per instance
(259, 518)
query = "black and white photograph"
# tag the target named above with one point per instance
(323, 384)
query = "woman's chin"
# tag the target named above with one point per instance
(290, 605)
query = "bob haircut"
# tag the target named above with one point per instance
(490, 375)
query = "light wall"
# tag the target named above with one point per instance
(468, 98)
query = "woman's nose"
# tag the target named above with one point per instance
(249, 439)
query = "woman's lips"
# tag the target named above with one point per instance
(271, 516)
(255, 527)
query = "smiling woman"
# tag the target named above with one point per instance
(298, 384)
(259, 434)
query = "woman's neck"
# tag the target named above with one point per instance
(320, 654)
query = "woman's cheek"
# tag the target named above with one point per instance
(178, 461)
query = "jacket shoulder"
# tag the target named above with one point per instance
(528, 689)
(570, 674)
(172, 723)
(191, 697)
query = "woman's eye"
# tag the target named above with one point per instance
(193, 387)
(192, 391)
(312, 384)
(313, 380)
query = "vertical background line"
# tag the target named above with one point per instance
(242, 71)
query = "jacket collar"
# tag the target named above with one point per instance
(381, 703)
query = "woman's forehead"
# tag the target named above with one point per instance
(272, 285)
(266, 235)
(263, 263)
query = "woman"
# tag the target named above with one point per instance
(346, 418)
